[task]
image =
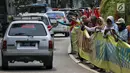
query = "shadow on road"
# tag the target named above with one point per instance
(27, 69)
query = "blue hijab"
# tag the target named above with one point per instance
(113, 22)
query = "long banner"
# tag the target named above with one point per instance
(103, 52)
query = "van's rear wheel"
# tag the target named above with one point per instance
(4, 63)
(49, 63)
(49, 66)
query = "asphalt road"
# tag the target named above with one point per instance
(62, 62)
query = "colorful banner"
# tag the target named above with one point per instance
(103, 52)
(74, 39)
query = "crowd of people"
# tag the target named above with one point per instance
(118, 29)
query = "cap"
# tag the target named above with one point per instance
(120, 20)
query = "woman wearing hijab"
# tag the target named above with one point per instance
(100, 23)
(111, 28)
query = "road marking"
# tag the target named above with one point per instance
(78, 62)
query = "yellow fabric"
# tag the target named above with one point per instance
(104, 52)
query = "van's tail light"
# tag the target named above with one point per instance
(50, 44)
(49, 27)
(4, 45)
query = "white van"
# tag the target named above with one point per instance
(60, 16)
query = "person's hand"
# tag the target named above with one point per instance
(57, 21)
(82, 27)
(105, 36)
(113, 31)
(82, 23)
(116, 39)
(106, 31)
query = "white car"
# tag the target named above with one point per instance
(60, 16)
(45, 19)
(27, 41)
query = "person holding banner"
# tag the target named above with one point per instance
(74, 22)
(93, 20)
(123, 32)
(100, 24)
(91, 24)
(84, 20)
(111, 28)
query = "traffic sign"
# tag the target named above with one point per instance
(121, 7)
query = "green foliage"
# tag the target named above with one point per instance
(85, 3)
(22, 2)
(20, 5)
(109, 7)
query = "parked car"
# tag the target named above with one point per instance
(27, 41)
(45, 19)
(60, 16)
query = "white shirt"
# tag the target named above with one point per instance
(105, 28)
(92, 29)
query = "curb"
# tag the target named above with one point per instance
(78, 62)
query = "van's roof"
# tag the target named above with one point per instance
(55, 12)
(38, 4)
(35, 14)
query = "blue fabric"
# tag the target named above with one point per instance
(64, 23)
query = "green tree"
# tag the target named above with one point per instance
(21, 4)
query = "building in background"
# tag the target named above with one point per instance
(10, 7)
(44, 1)
(83, 3)
(59, 3)
(68, 3)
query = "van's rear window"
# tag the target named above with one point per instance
(55, 15)
(27, 29)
